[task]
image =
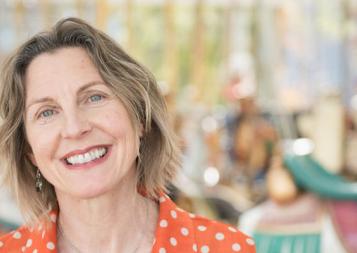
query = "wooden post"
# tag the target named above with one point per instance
(170, 47)
(46, 13)
(198, 52)
(102, 12)
(129, 24)
(19, 21)
(79, 8)
(226, 43)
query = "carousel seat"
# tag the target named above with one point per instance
(311, 175)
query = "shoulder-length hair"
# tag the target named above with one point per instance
(134, 86)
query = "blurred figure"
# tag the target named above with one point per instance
(251, 138)
(311, 208)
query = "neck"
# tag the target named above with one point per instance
(116, 221)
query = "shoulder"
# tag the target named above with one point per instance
(219, 237)
(179, 231)
(40, 238)
(15, 241)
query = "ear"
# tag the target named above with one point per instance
(31, 157)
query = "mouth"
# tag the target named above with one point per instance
(89, 156)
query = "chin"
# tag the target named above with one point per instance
(86, 191)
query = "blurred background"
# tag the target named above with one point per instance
(263, 96)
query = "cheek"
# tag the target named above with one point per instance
(42, 142)
(114, 123)
(119, 126)
(41, 152)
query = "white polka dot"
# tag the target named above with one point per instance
(162, 250)
(35, 251)
(201, 228)
(219, 236)
(162, 199)
(17, 235)
(163, 223)
(173, 241)
(184, 231)
(250, 241)
(173, 214)
(23, 249)
(194, 247)
(236, 247)
(1, 244)
(28, 243)
(50, 245)
(53, 218)
(232, 229)
(205, 249)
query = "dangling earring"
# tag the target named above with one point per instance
(39, 182)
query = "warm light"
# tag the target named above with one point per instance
(354, 102)
(303, 146)
(209, 124)
(211, 176)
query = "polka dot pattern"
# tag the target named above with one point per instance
(219, 236)
(50, 246)
(30, 239)
(180, 231)
(236, 247)
(17, 235)
(53, 218)
(173, 214)
(184, 231)
(173, 241)
(177, 231)
(28, 243)
(163, 223)
(250, 241)
(205, 249)
(201, 228)
(232, 229)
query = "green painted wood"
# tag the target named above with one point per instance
(311, 175)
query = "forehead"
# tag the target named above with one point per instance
(65, 67)
(71, 60)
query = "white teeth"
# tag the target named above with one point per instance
(87, 157)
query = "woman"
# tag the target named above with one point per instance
(89, 152)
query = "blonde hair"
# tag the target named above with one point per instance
(133, 84)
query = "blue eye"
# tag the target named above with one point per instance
(46, 113)
(95, 98)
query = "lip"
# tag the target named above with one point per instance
(83, 151)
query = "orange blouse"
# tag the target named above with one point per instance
(177, 231)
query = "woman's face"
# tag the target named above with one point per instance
(81, 135)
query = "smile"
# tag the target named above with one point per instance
(87, 157)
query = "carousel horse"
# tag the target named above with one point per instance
(322, 219)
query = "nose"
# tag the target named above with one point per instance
(76, 125)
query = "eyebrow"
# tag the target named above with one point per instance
(49, 99)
